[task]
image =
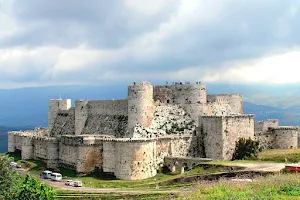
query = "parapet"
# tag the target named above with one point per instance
(184, 93)
(82, 140)
(230, 116)
(264, 125)
(223, 98)
(144, 83)
(285, 128)
(60, 104)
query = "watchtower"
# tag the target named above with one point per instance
(140, 105)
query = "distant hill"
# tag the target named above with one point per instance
(28, 106)
(288, 116)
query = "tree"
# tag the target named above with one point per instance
(32, 189)
(246, 148)
(13, 186)
(10, 180)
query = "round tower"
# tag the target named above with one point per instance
(193, 97)
(285, 137)
(198, 92)
(189, 93)
(54, 106)
(140, 105)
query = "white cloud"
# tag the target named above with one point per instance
(93, 42)
(148, 7)
(273, 69)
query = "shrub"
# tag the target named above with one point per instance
(246, 148)
(32, 189)
(9, 180)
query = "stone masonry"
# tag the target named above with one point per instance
(157, 125)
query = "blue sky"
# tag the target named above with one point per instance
(98, 42)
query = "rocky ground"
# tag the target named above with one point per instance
(168, 120)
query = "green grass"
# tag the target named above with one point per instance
(271, 155)
(62, 194)
(280, 155)
(284, 186)
(101, 180)
(163, 180)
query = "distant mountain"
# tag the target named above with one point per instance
(288, 116)
(281, 95)
(3, 135)
(28, 106)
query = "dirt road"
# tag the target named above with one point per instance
(62, 186)
(259, 166)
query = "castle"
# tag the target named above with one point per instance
(133, 137)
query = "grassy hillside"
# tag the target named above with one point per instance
(284, 186)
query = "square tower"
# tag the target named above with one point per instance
(54, 106)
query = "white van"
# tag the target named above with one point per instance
(56, 176)
(69, 182)
(46, 174)
(77, 183)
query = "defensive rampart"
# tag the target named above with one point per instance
(101, 117)
(218, 134)
(64, 123)
(225, 104)
(272, 136)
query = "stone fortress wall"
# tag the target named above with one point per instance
(219, 133)
(101, 117)
(132, 137)
(273, 136)
(64, 123)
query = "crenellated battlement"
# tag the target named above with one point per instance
(285, 128)
(245, 116)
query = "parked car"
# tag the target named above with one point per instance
(14, 164)
(69, 182)
(56, 176)
(46, 174)
(18, 166)
(77, 183)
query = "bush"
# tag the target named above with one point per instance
(32, 189)
(9, 180)
(13, 186)
(246, 148)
